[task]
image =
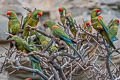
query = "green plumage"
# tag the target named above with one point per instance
(13, 24)
(62, 15)
(58, 32)
(22, 45)
(32, 21)
(113, 28)
(87, 27)
(71, 23)
(44, 42)
(26, 19)
(98, 25)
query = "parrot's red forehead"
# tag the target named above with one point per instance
(118, 20)
(87, 23)
(60, 9)
(44, 24)
(9, 12)
(98, 10)
(29, 79)
(40, 13)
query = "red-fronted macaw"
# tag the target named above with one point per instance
(98, 25)
(70, 21)
(62, 12)
(33, 21)
(58, 32)
(22, 45)
(87, 27)
(113, 28)
(13, 24)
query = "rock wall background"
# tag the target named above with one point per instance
(79, 8)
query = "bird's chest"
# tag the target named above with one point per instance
(19, 46)
(99, 26)
(33, 22)
(10, 23)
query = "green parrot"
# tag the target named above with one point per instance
(42, 40)
(98, 25)
(58, 32)
(87, 27)
(26, 19)
(13, 24)
(22, 45)
(71, 23)
(62, 12)
(45, 42)
(28, 79)
(113, 28)
(32, 21)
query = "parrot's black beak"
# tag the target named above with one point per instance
(8, 16)
(88, 25)
(13, 42)
(38, 16)
(98, 13)
(60, 12)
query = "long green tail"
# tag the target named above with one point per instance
(36, 66)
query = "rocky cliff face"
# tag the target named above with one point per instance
(79, 8)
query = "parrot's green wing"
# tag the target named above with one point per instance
(103, 25)
(105, 33)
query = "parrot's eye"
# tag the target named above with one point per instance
(40, 13)
(60, 9)
(87, 23)
(44, 25)
(9, 12)
(118, 20)
(98, 10)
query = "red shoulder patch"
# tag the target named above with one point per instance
(54, 26)
(99, 17)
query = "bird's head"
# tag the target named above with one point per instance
(62, 10)
(13, 39)
(87, 23)
(39, 14)
(11, 14)
(48, 23)
(117, 21)
(96, 12)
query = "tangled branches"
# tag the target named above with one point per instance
(65, 64)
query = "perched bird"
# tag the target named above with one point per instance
(58, 32)
(26, 19)
(13, 24)
(62, 12)
(28, 79)
(44, 42)
(98, 25)
(22, 45)
(70, 21)
(113, 28)
(87, 27)
(32, 21)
